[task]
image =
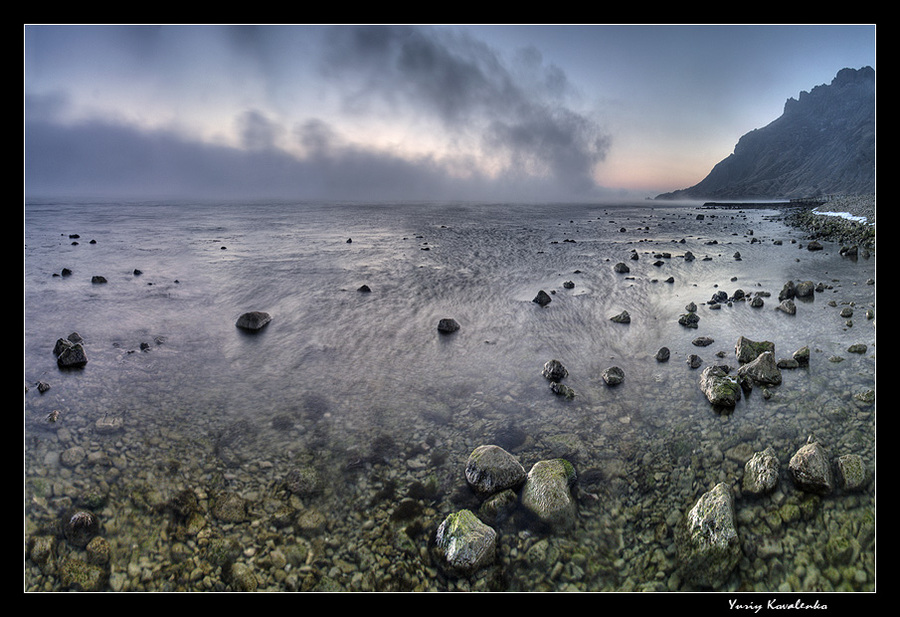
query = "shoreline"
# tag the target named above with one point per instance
(847, 220)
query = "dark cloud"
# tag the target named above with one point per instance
(515, 113)
(518, 110)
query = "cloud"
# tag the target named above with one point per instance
(486, 127)
(516, 112)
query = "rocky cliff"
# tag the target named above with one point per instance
(823, 143)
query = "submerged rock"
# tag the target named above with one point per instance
(811, 469)
(707, 541)
(547, 493)
(719, 387)
(761, 472)
(491, 469)
(464, 543)
(852, 472)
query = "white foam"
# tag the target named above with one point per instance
(843, 215)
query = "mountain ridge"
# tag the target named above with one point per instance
(822, 144)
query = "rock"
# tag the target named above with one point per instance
(562, 390)
(569, 285)
(547, 493)
(761, 472)
(554, 371)
(98, 280)
(801, 356)
(694, 361)
(491, 469)
(852, 472)
(746, 350)
(253, 321)
(447, 326)
(622, 317)
(303, 481)
(464, 543)
(805, 289)
(242, 577)
(787, 292)
(719, 387)
(98, 551)
(229, 507)
(811, 469)
(621, 268)
(689, 320)
(663, 354)
(364, 289)
(613, 376)
(814, 245)
(702, 341)
(70, 352)
(707, 542)
(787, 306)
(542, 298)
(763, 370)
(78, 575)
(71, 457)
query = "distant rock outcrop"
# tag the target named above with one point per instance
(823, 143)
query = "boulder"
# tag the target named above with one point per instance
(71, 355)
(622, 317)
(689, 320)
(707, 541)
(761, 472)
(852, 472)
(663, 354)
(491, 469)
(719, 387)
(253, 321)
(746, 350)
(763, 370)
(447, 326)
(805, 289)
(787, 306)
(811, 469)
(554, 371)
(542, 298)
(464, 543)
(613, 376)
(547, 493)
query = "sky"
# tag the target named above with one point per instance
(407, 111)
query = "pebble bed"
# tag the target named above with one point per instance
(299, 519)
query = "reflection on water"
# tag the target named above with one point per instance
(361, 386)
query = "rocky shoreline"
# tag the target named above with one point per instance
(199, 517)
(847, 220)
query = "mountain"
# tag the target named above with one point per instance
(823, 143)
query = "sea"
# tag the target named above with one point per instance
(352, 386)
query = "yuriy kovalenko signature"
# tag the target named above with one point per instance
(774, 604)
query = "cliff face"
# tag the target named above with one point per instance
(822, 143)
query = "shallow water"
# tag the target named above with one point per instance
(362, 384)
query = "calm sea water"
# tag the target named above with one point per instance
(348, 367)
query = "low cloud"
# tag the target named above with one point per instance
(511, 114)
